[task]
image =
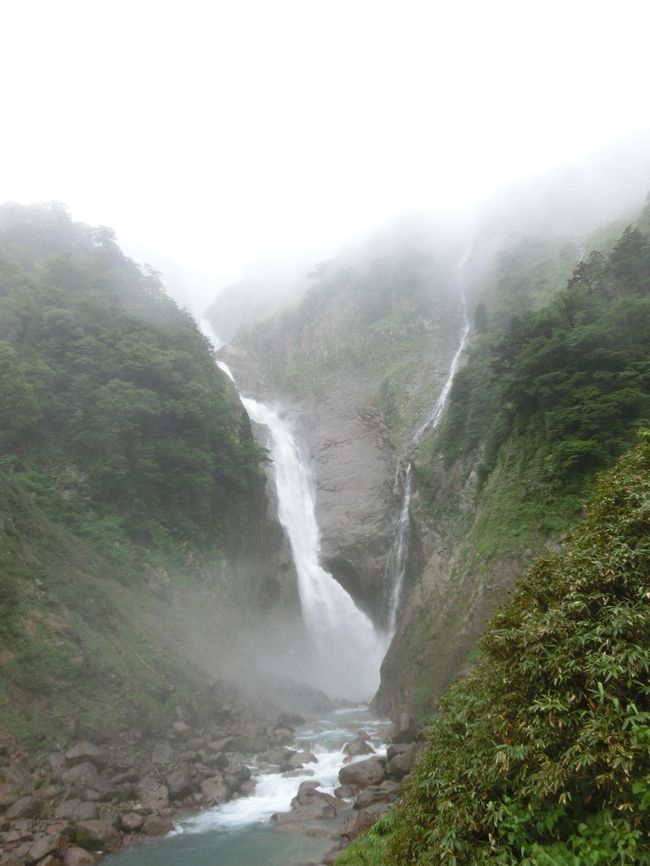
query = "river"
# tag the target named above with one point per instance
(238, 833)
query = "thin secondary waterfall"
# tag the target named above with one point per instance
(396, 566)
(347, 651)
(398, 557)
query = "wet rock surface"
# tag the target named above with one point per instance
(89, 798)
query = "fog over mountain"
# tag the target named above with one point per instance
(212, 137)
(324, 433)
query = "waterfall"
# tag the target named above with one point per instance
(347, 652)
(398, 556)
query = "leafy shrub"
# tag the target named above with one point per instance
(541, 756)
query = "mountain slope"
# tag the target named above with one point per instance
(540, 755)
(358, 364)
(137, 539)
(551, 393)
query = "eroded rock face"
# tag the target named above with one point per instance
(358, 367)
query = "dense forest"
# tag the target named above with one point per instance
(112, 411)
(128, 471)
(570, 377)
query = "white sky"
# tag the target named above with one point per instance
(213, 132)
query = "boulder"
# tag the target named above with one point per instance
(298, 759)
(76, 856)
(290, 720)
(363, 773)
(157, 825)
(152, 795)
(26, 807)
(346, 792)
(84, 782)
(76, 810)
(235, 774)
(179, 782)
(214, 791)
(181, 730)
(162, 753)
(50, 860)
(47, 843)
(310, 804)
(358, 823)
(87, 752)
(401, 764)
(97, 836)
(8, 795)
(19, 773)
(247, 789)
(131, 822)
(282, 735)
(57, 764)
(358, 746)
(384, 793)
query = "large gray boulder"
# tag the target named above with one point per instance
(83, 782)
(97, 836)
(26, 807)
(214, 791)
(179, 782)
(152, 795)
(358, 746)
(76, 810)
(77, 856)
(400, 765)
(363, 773)
(87, 752)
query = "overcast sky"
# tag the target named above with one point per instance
(210, 133)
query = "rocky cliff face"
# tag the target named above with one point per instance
(357, 365)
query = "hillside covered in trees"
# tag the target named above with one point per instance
(128, 476)
(541, 756)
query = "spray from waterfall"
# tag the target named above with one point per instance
(347, 651)
(398, 558)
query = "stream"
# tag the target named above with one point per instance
(238, 833)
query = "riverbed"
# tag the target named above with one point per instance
(238, 833)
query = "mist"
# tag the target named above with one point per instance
(230, 134)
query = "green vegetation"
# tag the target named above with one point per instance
(572, 376)
(555, 385)
(541, 755)
(109, 397)
(124, 454)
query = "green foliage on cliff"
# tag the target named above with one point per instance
(125, 459)
(573, 375)
(112, 411)
(541, 755)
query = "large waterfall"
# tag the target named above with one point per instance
(398, 558)
(346, 649)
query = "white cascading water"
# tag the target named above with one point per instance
(397, 560)
(347, 651)
(398, 557)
